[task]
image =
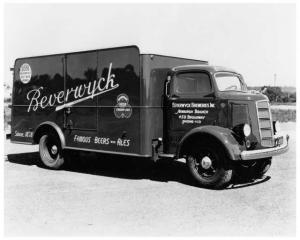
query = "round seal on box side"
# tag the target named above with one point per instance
(123, 108)
(25, 73)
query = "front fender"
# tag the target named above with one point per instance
(223, 135)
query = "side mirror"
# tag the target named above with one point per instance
(167, 86)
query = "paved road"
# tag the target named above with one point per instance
(118, 196)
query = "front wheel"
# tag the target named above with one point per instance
(208, 167)
(51, 151)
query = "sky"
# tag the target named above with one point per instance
(257, 40)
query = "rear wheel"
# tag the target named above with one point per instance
(208, 167)
(51, 151)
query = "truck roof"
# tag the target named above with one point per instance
(112, 48)
(209, 68)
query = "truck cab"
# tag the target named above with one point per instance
(215, 123)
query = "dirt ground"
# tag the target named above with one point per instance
(104, 195)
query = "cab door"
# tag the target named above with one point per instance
(189, 103)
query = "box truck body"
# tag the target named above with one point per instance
(106, 100)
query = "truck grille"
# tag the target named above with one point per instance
(265, 123)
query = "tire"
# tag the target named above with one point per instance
(51, 151)
(218, 175)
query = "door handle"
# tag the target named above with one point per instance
(68, 111)
(70, 124)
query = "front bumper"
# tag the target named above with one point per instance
(268, 152)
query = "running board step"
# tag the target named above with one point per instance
(163, 155)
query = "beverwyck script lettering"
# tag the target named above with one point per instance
(90, 90)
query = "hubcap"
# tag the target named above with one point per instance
(54, 149)
(206, 162)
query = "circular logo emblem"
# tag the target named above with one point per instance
(123, 108)
(25, 73)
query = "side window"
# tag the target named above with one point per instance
(185, 84)
(191, 84)
(204, 84)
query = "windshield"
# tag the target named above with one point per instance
(227, 81)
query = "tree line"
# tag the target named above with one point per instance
(275, 94)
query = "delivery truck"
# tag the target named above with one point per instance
(119, 101)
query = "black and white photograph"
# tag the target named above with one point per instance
(152, 119)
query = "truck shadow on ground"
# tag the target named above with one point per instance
(125, 167)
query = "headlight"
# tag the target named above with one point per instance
(276, 126)
(246, 130)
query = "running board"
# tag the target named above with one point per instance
(163, 155)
